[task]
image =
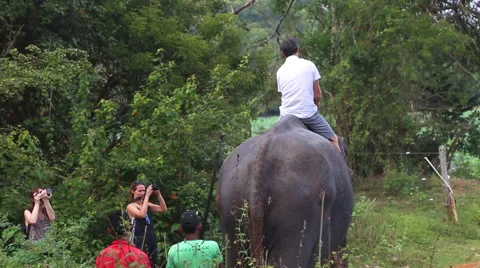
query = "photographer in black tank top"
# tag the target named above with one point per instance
(139, 211)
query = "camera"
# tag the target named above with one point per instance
(49, 191)
(155, 187)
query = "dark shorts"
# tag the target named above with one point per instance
(319, 125)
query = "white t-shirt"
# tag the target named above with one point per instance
(295, 81)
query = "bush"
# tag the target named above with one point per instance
(64, 246)
(400, 184)
(466, 166)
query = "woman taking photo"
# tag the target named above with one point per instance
(139, 211)
(39, 217)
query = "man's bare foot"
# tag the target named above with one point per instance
(334, 140)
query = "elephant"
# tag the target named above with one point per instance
(282, 192)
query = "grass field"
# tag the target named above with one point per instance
(413, 230)
(410, 228)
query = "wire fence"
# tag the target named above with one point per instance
(395, 153)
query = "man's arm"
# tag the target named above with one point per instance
(317, 92)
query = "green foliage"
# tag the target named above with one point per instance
(63, 246)
(262, 124)
(466, 166)
(170, 138)
(470, 142)
(37, 90)
(400, 184)
(386, 64)
(95, 95)
(23, 167)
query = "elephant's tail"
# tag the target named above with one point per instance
(256, 206)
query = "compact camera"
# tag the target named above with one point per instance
(155, 187)
(49, 191)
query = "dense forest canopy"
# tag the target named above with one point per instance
(97, 94)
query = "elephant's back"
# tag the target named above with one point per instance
(288, 136)
(281, 157)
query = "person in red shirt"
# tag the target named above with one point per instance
(121, 253)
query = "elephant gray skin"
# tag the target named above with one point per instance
(283, 174)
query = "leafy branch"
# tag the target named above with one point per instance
(276, 31)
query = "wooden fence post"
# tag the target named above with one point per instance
(450, 201)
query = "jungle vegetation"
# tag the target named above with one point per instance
(97, 94)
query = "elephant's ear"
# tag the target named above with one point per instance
(343, 145)
(342, 141)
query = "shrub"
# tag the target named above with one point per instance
(466, 166)
(400, 184)
(64, 246)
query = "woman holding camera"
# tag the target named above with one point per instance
(38, 219)
(139, 211)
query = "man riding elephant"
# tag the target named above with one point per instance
(285, 190)
(298, 82)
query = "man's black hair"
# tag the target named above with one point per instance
(189, 221)
(116, 223)
(289, 46)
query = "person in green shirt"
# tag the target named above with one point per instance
(193, 252)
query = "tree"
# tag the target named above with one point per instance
(393, 69)
(116, 92)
